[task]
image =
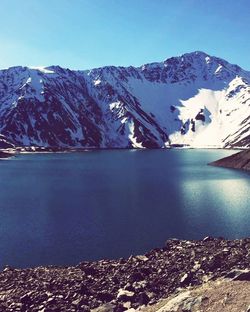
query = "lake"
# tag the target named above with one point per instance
(65, 208)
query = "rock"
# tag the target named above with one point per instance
(214, 262)
(126, 305)
(142, 258)
(84, 290)
(119, 308)
(239, 275)
(25, 299)
(90, 271)
(143, 298)
(77, 302)
(183, 302)
(84, 308)
(107, 307)
(7, 268)
(196, 267)
(186, 279)
(146, 270)
(125, 295)
(129, 287)
(139, 285)
(175, 303)
(51, 300)
(136, 277)
(105, 296)
(170, 242)
(207, 239)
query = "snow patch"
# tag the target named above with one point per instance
(97, 82)
(132, 137)
(42, 69)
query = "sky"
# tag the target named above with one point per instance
(83, 34)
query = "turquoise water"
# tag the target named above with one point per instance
(64, 208)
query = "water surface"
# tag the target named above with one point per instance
(64, 208)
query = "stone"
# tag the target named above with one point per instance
(185, 279)
(136, 277)
(127, 305)
(143, 298)
(119, 308)
(7, 268)
(175, 303)
(182, 302)
(142, 258)
(107, 307)
(105, 296)
(125, 295)
(84, 290)
(77, 302)
(25, 299)
(208, 238)
(90, 271)
(243, 275)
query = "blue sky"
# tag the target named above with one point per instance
(82, 34)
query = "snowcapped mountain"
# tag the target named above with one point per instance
(195, 99)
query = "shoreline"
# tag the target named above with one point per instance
(9, 152)
(123, 284)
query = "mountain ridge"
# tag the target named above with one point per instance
(197, 52)
(192, 100)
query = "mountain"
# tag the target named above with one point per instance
(240, 160)
(194, 99)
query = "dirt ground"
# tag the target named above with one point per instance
(217, 296)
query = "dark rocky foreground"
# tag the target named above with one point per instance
(240, 160)
(117, 285)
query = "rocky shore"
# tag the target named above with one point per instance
(125, 284)
(239, 160)
(6, 154)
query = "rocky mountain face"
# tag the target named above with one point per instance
(195, 100)
(240, 160)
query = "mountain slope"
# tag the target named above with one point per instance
(240, 160)
(194, 99)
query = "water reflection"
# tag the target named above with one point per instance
(217, 205)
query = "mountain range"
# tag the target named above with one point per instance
(194, 100)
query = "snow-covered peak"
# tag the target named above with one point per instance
(194, 99)
(45, 70)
